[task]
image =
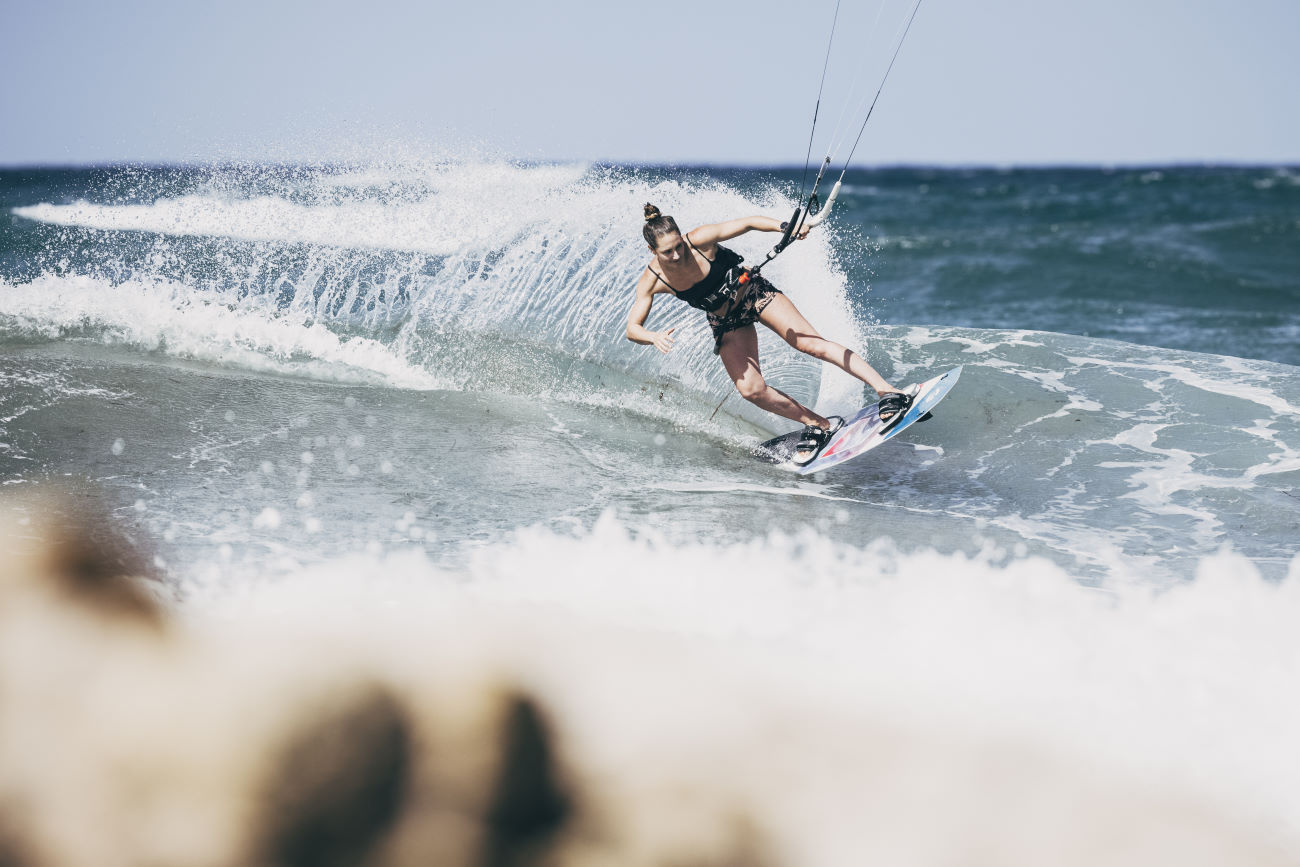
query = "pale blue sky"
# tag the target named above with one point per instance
(995, 82)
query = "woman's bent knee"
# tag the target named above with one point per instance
(751, 388)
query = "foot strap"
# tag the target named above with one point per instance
(892, 406)
(813, 439)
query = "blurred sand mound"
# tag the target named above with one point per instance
(469, 736)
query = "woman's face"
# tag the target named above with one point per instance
(671, 248)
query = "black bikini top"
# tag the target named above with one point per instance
(714, 290)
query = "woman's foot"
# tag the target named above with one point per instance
(813, 439)
(892, 406)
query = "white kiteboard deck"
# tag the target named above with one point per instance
(861, 432)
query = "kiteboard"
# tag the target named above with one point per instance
(862, 431)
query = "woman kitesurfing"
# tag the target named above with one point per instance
(696, 268)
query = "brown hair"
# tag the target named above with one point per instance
(657, 225)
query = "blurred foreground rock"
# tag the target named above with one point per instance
(462, 736)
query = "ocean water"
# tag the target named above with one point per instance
(420, 368)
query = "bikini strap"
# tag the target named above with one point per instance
(687, 236)
(661, 278)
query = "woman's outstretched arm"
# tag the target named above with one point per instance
(715, 233)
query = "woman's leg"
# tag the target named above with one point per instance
(784, 318)
(739, 354)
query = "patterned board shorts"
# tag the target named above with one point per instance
(745, 311)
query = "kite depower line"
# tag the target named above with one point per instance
(811, 211)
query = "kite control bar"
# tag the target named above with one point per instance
(790, 227)
(811, 217)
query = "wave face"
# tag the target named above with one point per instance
(481, 276)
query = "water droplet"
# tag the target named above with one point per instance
(267, 519)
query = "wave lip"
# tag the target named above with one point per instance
(438, 213)
(168, 317)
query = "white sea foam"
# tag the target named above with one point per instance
(157, 315)
(1225, 376)
(436, 210)
(1191, 688)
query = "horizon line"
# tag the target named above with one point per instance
(1117, 165)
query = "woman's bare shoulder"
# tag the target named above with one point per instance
(704, 238)
(651, 281)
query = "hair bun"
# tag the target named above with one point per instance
(651, 212)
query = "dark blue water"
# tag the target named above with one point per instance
(1204, 259)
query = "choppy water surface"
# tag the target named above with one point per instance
(270, 368)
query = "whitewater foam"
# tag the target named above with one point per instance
(437, 210)
(163, 316)
(1191, 687)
